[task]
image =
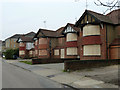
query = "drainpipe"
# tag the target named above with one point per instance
(50, 47)
(106, 44)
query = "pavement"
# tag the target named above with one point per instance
(55, 72)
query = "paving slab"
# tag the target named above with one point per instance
(46, 72)
(66, 78)
(88, 82)
(102, 85)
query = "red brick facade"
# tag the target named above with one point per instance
(58, 45)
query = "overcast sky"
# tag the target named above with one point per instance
(23, 16)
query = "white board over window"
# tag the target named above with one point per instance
(72, 51)
(91, 30)
(91, 50)
(42, 52)
(22, 52)
(71, 37)
(56, 52)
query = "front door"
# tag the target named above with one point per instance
(62, 53)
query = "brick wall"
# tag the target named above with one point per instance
(85, 64)
(103, 46)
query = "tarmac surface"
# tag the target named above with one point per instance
(88, 78)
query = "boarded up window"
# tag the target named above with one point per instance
(31, 52)
(56, 52)
(35, 51)
(72, 51)
(36, 42)
(71, 37)
(91, 30)
(22, 52)
(42, 41)
(42, 52)
(21, 44)
(91, 50)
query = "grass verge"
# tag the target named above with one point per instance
(26, 62)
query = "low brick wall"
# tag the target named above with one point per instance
(84, 64)
(46, 61)
(49, 60)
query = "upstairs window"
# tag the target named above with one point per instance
(71, 37)
(91, 30)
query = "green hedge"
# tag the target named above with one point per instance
(10, 53)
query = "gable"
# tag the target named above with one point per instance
(40, 34)
(88, 18)
(19, 40)
(69, 29)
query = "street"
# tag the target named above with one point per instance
(15, 77)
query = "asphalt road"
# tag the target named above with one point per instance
(15, 77)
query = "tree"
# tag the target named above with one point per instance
(110, 4)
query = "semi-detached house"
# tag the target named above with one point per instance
(98, 34)
(26, 45)
(94, 36)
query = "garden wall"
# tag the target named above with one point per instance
(50, 60)
(83, 64)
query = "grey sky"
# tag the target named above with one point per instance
(23, 16)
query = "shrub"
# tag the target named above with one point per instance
(11, 53)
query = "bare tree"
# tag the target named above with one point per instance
(110, 4)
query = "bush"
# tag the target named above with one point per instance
(11, 53)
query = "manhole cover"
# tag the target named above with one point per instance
(50, 76)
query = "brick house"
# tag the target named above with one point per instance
(67, 45)
(59, 50)
(97, 33)
(45, 41)
(26, 45)
(10, 43)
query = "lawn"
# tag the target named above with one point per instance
(26, 62)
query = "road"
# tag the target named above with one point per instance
(15, 77)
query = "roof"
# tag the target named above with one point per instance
(100, 17)
(47, 33)
(114, 16)
(25, 39)
(59, 31)
(15, 36)
(30, 34)
(116, 41)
